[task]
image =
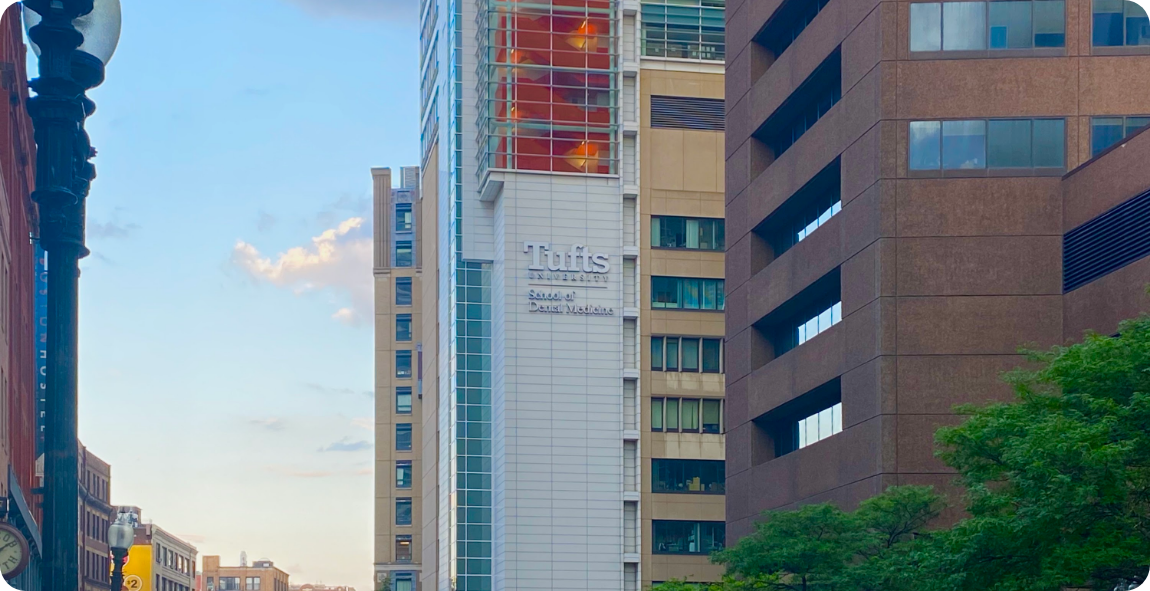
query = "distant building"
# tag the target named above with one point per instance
(158, 560)
(399, 248)
(96, 514)
(261, 576)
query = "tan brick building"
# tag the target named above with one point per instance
(262, 575)
(398, 385)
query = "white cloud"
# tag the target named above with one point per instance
(364, 423)
(347, 445)
(271, 423)
(338, 260)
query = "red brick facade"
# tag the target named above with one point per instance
(17, 161)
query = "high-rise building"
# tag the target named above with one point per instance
(572, 335)
(398, 381)
(261, 575)
(907, 207)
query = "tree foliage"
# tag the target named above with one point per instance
(1057, 494)
(1058, 482)
(822, 548)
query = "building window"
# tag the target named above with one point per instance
(1118, 23)
(712, 415)
(805, 211)
(404, 221)
(688, 354)
(253, 584)
(974, 26)
(688, 233)
(403, 437)
(688, 476)
(403, 511)
(403, 253)
(1107, 131)
(404, 582)
(403, 474)
(229, 584)
(693, 29)
(793, 18)
(979, 144)
(403, 328)
(820, 322)
(211, 584)
(403, 291)
(403, 364)
(712, 355)
(689, 415)
(811, 101)
(687, 537)
(403, 400)
(683, 293)
(819, 426)
(403, 548)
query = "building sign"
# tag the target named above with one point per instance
(138, 569)
(41, 346)
(575, 266)
(555, 272)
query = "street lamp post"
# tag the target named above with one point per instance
(121, 534)
(74, 39)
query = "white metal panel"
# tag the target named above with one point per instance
(629, 165)
(630, 466)
(630, 404)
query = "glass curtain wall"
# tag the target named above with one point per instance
(549, 89)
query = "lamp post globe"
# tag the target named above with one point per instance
(100, 28)
(121, 534)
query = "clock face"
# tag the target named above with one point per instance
(13, 551)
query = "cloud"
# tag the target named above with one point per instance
(389, 10)
(364, 472)
(339, 260)
(297, 473)
(266, 222)
(193, 538)
(346, 444)
(271, 423)
(364, 423)
(325, 390)
(111, 230)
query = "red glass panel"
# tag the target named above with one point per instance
(543, 59)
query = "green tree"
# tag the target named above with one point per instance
(822, 548)
(1058, 482)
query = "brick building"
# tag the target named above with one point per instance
(907, 206)
(18, 384)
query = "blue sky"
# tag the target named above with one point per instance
(225, 376)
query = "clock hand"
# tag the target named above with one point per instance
(8, 545)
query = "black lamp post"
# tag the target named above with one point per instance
(74, 39)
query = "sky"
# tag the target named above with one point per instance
(226, 354)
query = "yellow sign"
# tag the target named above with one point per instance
(138, 569)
